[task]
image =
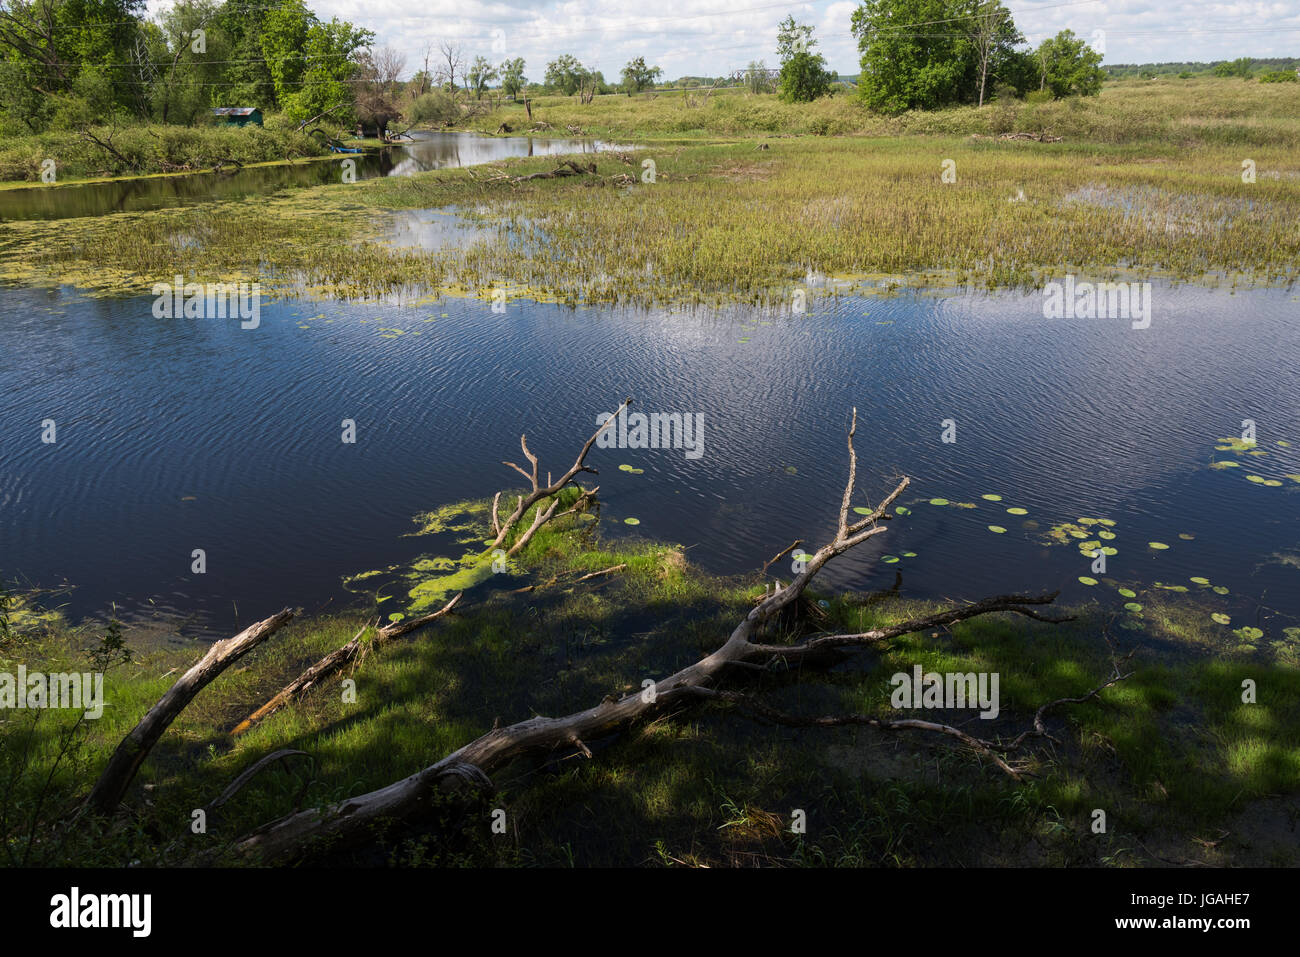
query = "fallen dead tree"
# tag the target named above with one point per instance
(367, 638)
(566, 168)
(135, 747)
(354, 820)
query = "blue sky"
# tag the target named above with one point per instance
(712, 37)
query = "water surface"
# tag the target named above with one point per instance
(427, 151)
(182, 434)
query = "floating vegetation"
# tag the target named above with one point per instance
(1017, 511)
(889, 559)
(1158, 546)
(631, 521)
(1220, 590)
(1225, 464)
(1234, 445)
(902, 510)
(630, 470)
(938, 501)
(1220, 618)
(1186, 536)
(991, 498)
(1198, 579)
(1085, 579)
(997, 529)
(1248, 633)
(1127, 592)
(791, 470)
(1132, 606)
(859, 510)
(909, 554)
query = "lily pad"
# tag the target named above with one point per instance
(859, 510)
(1087, 580)
(1220, 618)
(791, 470)
(909, 554)
(1225, 465)
(1107, 536)
(631, 521)
(902, 510)
(889, 559)
(1017, 511)
(991, 498)
(1257, 479)
(938, 501)
(1248, 633)
(1132, 606)
(1186, 536)
(1199, 579)
(1127, 592)
(1220, 589)
(1158, 546)
(996, 529)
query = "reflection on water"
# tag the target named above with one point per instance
(183, 434)
(427, 151)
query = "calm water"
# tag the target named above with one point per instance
(428, 151)
(183, 434)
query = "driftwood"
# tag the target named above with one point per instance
(566, 168)
(352, 821)
(555, 580)
(336, 660)
(135, 747)
(551, 490)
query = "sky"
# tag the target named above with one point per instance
(715, 37)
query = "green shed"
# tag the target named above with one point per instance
(237, 115)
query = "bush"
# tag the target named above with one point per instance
(435, 107)
(1279, 76)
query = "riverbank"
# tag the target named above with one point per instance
(1185, 771)
(104, 153)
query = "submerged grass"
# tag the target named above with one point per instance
(1172, 755)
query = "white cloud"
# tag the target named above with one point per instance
(713, 37)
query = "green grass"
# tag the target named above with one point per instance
(1185, 114)
(1171, 755)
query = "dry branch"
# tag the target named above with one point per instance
(135, 747)
(339, 658)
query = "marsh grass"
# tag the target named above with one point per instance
(1171, 754)
(723, 223)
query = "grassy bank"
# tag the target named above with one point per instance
(1191, 113)
(145, 149)
(1172, 755)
